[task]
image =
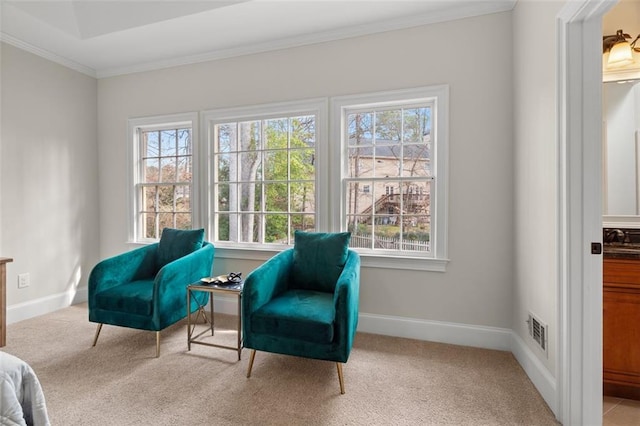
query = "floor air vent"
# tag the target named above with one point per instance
(538, 331)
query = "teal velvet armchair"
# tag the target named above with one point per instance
(304, 301)
(146, 288)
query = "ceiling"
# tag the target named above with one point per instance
(103, 38)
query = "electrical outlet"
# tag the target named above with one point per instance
(23, 280)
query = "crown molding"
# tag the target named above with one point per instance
(9, 39)
(465, 9)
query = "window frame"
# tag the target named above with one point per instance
(211, 118)
(439, 96)
(161, 122)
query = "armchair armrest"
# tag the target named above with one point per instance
(266, 281)
(173, 278)
(346, 299)
(125, 267)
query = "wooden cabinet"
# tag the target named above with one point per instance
(621, 327)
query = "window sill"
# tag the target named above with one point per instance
(368, 261)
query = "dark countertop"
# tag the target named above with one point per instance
(622, 251)
(621, 243)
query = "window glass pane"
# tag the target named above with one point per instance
(416, 200)
(249, 227)
(150, 144)
(166, 198)
(359, 201)
(168, 169)
(360, 128)
(416, 161)
(184, 169)
(387, 161)
(223, 227)
(226, 168)
(276, 197)
(184, 141)
(302, 222)
(302, 196)
(248, 167)
(149, 221)
(302, 164)
(276, 166)
(388, 126)
(361, 162)
(250, 197)
(183, 220)
(227, 137)
(277, 228)
(222, 202)
(149, 198)
(417, 124)
(150, 170)
(361, 231)
(249, 138)
(168, 142)
(277, 133)
(303, 132)
(183, 198)
(165, 220)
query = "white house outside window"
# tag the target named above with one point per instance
(394, 143)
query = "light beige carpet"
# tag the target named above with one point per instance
(389, 381)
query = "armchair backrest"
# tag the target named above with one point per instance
(177, 243)
(318, 260)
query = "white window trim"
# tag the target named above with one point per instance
(338, 151)
(134, 125)
(209, 119)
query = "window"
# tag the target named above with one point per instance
(395, 144)
(264, 169)
(163, 175)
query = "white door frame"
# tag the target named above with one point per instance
(579, 118)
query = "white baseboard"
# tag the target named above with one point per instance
(496, 338)
(541, 378)
(44, 305)
(436, 331)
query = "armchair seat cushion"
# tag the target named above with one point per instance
(135, 297)
(305, 315)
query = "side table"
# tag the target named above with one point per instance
(212, 289)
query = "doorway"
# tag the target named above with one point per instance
(579, 119)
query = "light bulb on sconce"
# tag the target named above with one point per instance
(619, 48)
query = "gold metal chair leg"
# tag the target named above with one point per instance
(95, 339)
(340, 377)
(253, 355)
(157, 344)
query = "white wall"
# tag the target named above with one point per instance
(49, 181)
(472, 55)
(536, 180)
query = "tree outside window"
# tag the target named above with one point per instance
(166, 177)
(264, 180)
